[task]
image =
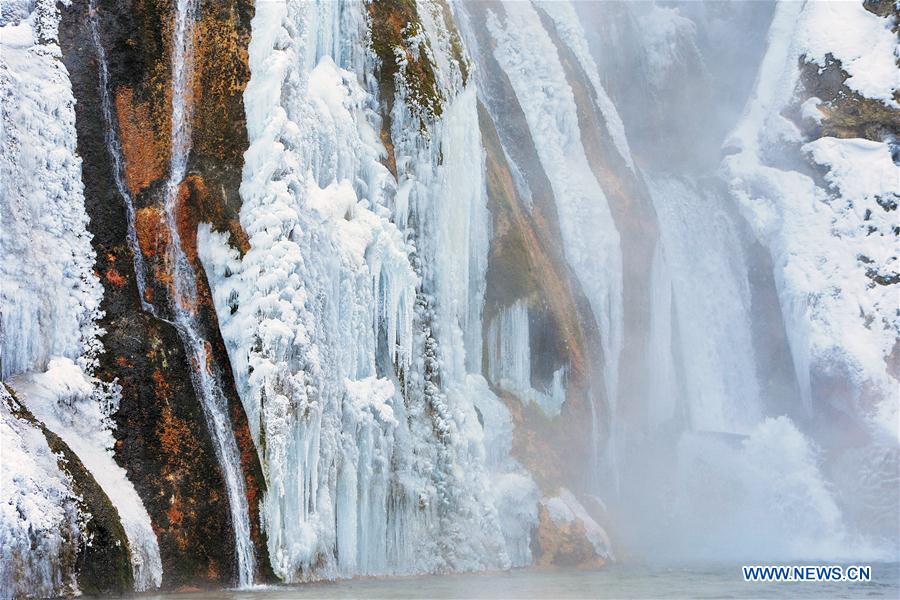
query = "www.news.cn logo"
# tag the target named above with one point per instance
(807, 573)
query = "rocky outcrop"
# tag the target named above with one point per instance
(845, 113)
(162, 436)
(567, 536)
(98, 557)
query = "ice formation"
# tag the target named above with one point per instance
(514, 493)
(50, 296)
(589, 236)
(381, 406)
(509, 360)
(353, 318)
(38, 516)
(570, 30)
(76, 409)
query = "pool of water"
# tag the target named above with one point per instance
(615, 581)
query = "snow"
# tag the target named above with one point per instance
(354, 321)
(590, 239)
(837, 319)
(861, 40)
(810, 110)
(848, 158)
(67, 402)
(569, 28)
(50, 297)
(39, 517)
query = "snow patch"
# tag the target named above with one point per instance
(862, 41)
(66, 401)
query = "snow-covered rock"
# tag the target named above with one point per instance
(77, 409)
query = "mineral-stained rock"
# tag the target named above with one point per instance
(162, 436)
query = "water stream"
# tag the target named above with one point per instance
(204, 377)
(118, 166)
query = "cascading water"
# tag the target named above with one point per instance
(115, 153)
(701, 246)
(206, 383)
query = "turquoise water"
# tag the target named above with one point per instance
(616, 581)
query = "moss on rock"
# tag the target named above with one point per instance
(404, 57)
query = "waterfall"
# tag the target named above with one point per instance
(204, 378)
(115, 154)
(709, 276)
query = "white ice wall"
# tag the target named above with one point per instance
(50, 295)
(350, 319)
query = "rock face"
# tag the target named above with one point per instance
(163, 440)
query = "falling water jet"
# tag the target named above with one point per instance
(203, 374)
(118, 167)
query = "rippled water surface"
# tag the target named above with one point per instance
(617, 581)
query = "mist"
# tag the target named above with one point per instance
(714, 453)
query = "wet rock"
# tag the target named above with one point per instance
(162, 437)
